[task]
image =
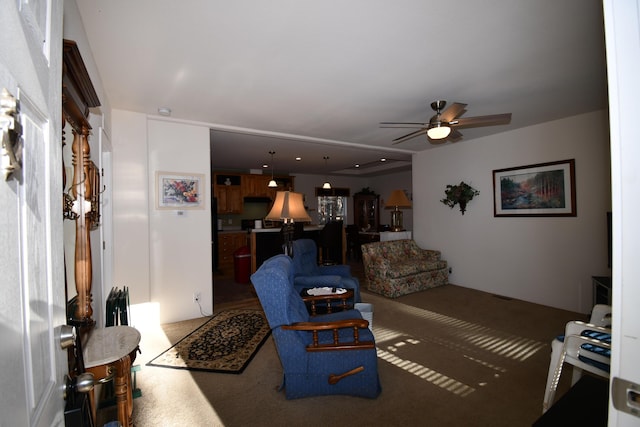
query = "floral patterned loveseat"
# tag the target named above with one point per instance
(399, 267)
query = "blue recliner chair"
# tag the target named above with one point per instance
(322, 355)
(308, 274)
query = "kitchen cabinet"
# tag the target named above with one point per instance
(285, 183)
(229, 200)
(228, 191)
(228, 243)
(256, 186)
(366, 211)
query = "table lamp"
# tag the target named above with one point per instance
(288, 208)
(397, 200)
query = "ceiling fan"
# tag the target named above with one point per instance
(441, 127)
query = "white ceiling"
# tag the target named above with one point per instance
(315, 78)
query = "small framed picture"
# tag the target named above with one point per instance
(544, 189)
(179, 191)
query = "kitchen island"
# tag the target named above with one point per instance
(267, 242)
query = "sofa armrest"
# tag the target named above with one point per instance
(377, 265)
(431, 255)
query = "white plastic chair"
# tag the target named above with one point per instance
(577, 349)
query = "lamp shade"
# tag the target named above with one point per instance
(289, 206)
(398, 200)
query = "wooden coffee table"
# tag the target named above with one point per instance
(327, 303)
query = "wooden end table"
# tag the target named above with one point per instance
(109, 353)
(330, 302)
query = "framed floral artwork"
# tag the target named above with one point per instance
(179, 191)
(544, 189)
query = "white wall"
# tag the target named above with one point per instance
(163, 257)
(131, 261)
(543, 260)
(384, 185)
(180, 245)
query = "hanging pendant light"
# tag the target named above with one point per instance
(327, 184)
(272, 183)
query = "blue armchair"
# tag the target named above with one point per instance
(322, 355)
(308, 274)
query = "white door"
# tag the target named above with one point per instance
(622, 30)
(32, 364)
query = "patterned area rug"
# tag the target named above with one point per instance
(226, 343)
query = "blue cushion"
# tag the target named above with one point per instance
(594, 348)
(596, 335)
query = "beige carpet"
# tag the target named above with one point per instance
(448, 356)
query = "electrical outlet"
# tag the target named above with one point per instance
(196, 297)
(230, 221)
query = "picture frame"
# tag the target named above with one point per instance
(543, 189)
(179, 191)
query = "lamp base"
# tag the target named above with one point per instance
(396, 220)
(287, 236)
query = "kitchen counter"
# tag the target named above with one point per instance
(229, 231)
(233, 229)
(263, 242)
(277, 229)
(267, 242)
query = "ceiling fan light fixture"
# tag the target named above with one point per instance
(438, 131)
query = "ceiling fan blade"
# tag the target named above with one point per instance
(454, 136)
(409, 136)
(453, 111)
(401, 124)
(494, 119)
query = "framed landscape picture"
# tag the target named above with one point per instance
(545, 189)
(179, 191)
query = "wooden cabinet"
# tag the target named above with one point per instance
(366, 211)
(256, 186)
(228, 191)
(285, 183)
(228, 243)
(229, 200)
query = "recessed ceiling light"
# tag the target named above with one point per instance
(164, 111)
(383, 159)
(264, 165)
(357, 165)
(298, 159)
